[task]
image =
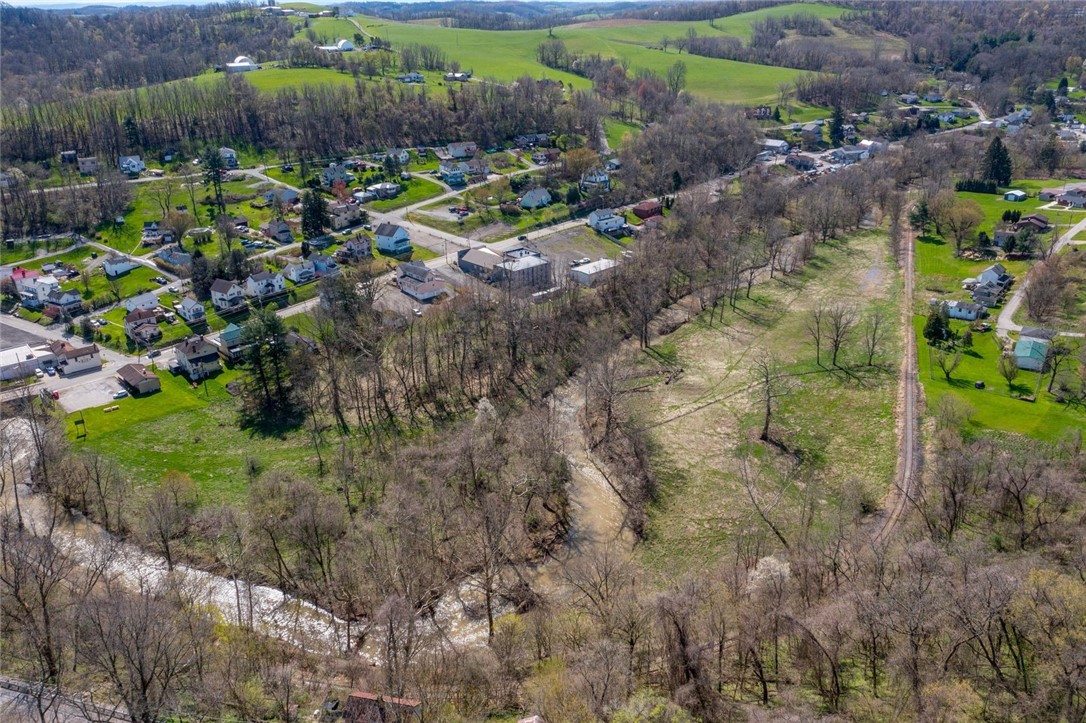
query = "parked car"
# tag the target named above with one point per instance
(172, 289)
(51, 371)
(522, 238)
(153, 353)
(120, 394)
(39, 373)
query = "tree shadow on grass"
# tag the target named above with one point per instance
(930, 240)
(277, 422)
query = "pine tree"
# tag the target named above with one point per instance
(837, 127)
(213, 166)
(314, 214)
(936, 327)
(997, 163)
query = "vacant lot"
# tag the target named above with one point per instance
(840, 422)
(194, 430)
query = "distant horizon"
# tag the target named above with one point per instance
(73, 5)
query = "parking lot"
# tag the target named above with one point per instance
(97, 391)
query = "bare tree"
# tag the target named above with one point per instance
(771, 384)
(874, 333)
(842, 322)
(813, 323)
(946, 361)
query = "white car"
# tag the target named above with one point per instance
(120, 394)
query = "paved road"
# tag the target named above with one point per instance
(1005, 323)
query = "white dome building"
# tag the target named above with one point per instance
(241, 64)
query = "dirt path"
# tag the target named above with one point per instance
(907, 477)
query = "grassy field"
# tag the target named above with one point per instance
(842, 422)
(24, 251)
(941, 273)
(997, 406)
(618, 132)
(193, 430)
(418, 189)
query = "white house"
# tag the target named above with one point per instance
(596, 177)
(392, 239)
(535, 198)
(226, 295)
(1014, 195)
(593, 273)
(146, 300)
(419, 282)
(35, 289)
(333, 173)
(241, 64)
(464, 149)
(116, 265)
(400, 155)
(300, 271)
(229, 157)
(605, 220)
(342, 215)
(966, 310)
(1030, 354)
(265, 283)
(72, 359)
(191, 310)
(132, 165)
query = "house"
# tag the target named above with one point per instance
(146, 300)
(66, 301)
(874, 146)
(88, 165)
(141, 325)
(523, 268)
(324, 264)
(73, 360)
(285, 196)
(530, 140)
(400, 155)
(1037, 334)
(605, 220)
(909, 98)
(117, 264)
(991, 284)
(1001, 236)
(355, 249)
(1030, 354)
(226, 295)
(174, 256)
(300, 271)
(463, 149)
(596, 177)
(241, 64)
(648, 209)
(1049, 194)
(132, 165)
(385, 190)
(478, 262)
(458, 77)
(966, 310)
(372, 708)
(419, 282)
(278, 231)
(68, 156)
(230, 343)
(849, 154)
(1036, 222)
(229, 157)
(801, 163)
(1014, 195)
(343, 215)
(334, 173)
(1073, 198)
(197, 357)
(191, 311)
(411, 78)
(535, 198)
(593, 273)
(35, 290)
(392, 239)
(139, 379)
(933, 97)
(774, 145)
(20, 361)
(546, 155)
(265, 283)
(453, 174)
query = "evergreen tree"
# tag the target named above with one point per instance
(213, 166)
(997, 163)
(267, 384)
(1061, 89)
(314, 214)
(837, 127)
(937, 327)
(777, 113)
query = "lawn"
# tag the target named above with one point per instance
(940, 272)
(23, 251)
(619, 132)
(194, 430)
(77, 257)
(995, 407)
(418, 189)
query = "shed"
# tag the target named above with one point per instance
(1015, 195)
